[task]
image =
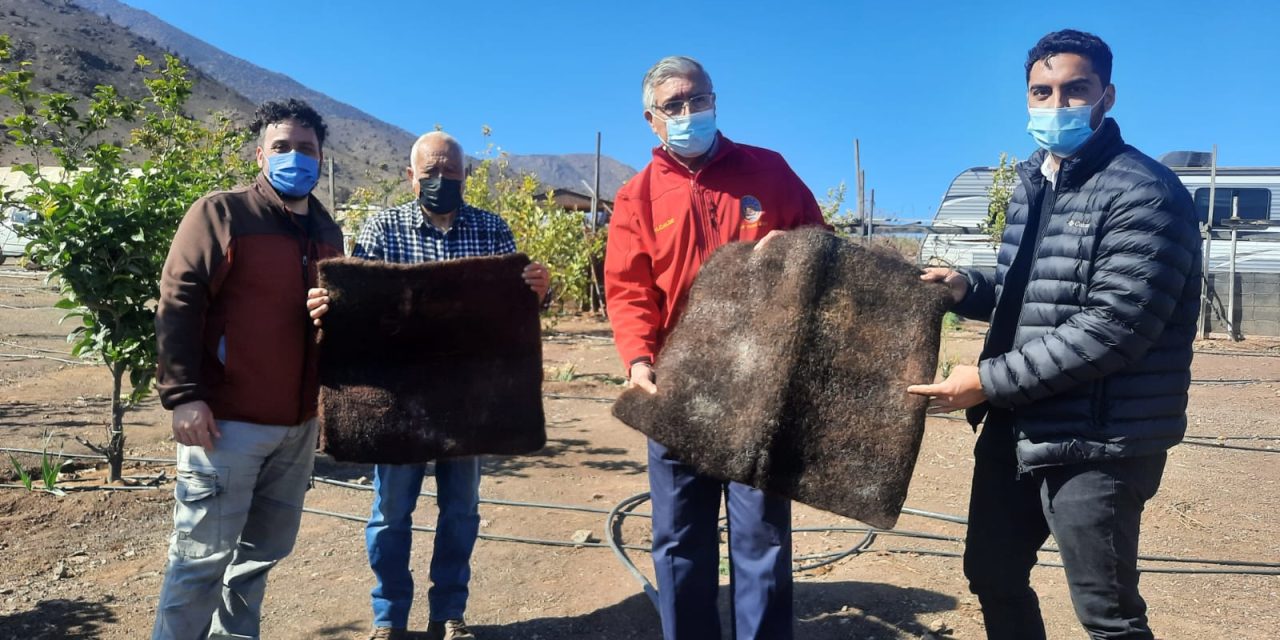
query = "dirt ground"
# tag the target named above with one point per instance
(89, 565)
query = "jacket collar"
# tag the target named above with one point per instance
(724, 147)
(262, 187)
(1105, 144)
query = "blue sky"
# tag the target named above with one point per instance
(930, 88)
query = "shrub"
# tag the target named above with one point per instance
(105, 220)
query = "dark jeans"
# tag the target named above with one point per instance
(1093, 511)
(686, 554)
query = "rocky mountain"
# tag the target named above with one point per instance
(72, 51)
(373, 142)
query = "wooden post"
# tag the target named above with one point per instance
(1206, 304)
(1233, 330)
(871, 217)
(857, 178)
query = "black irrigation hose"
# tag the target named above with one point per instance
(1241, 567)
(482, 536)
(508, 503)
(84, 456)
(40, 488)
(69, 489)
(1240, 381)
(610, 538)
(559, 396)
(1058, 565)
(833, 558)
(1234, 447)
(626, 507)
(1237, 352)
(1198, 437)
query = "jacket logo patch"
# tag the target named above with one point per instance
(1079, 222)
(664, 225)
(751, 209)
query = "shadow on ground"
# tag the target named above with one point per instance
(342, 631)
(552, 456)
(50, 619)
(824, 611)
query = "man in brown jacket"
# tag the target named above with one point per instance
(238, 370)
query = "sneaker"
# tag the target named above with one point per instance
(389, 633)
(449, 630)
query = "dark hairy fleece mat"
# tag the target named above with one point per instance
(788, 372)
(433, 360)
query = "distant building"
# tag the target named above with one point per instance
(574, 201)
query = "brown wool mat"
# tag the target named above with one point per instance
(432, 360)
(788, 372)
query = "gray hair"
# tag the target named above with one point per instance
(449, 141)
(668, 68)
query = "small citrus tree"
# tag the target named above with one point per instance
(842, 220)
(1003, 182)
(547, 233)
(105, 220)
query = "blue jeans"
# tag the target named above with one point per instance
(236, 515)
(686, 554)
(388, 538)
(1094, 511)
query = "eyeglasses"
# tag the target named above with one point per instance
(701, 102)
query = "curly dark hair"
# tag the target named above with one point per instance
(1077, 42)
(274, 111)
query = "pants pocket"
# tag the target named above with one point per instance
(197, 513)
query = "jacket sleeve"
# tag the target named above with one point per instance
(807, 212)
(187, 286)
(1147, 251)
(980, 300)
(631, 294)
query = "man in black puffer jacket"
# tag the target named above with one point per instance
(1083, 378)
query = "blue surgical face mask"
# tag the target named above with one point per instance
(692, 135)
(293, 174)
(1062, 131)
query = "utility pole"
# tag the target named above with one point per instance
(595, 221)
(333, 202)
(595, 191)
(857, 175)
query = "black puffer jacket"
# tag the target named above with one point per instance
(1100, 356)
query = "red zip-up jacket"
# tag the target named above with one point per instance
(667, 221)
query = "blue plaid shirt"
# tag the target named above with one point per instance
(401, 234)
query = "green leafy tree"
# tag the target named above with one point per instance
(106, 216)
(1003, 182)
(547, 233)
(378, 192)
(842, 220)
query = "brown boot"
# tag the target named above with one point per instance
(389, 633)
(449, 630)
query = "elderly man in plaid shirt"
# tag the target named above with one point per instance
(438, 225)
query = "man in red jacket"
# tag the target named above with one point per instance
(699, 192)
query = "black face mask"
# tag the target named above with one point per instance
(440, 194)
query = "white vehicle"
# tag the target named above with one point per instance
(1252, 193)
(13, 243)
